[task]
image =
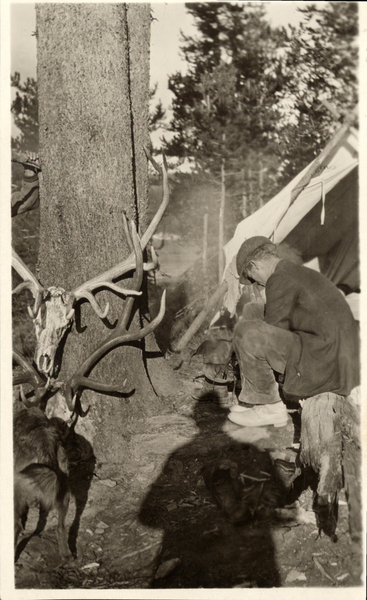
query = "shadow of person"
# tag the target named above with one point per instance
(214, 500)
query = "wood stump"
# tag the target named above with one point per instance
(331, 445)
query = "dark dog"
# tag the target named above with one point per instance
(40, 470)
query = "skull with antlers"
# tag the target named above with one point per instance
(119, 335)
(53, 309)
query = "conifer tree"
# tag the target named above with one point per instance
(224, 108)
(321, 65)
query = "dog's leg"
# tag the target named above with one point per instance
(42, 520)
(24, 516)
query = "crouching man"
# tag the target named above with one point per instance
(306, 336)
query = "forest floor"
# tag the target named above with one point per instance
(167, 519)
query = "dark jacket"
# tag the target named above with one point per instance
(325, 353)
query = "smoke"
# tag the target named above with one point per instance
(292, 254)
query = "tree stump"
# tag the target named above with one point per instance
(349, 419)
(331, 445)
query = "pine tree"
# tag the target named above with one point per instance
(321, 64)
(252, 96)
(24, 109)
(224, 108)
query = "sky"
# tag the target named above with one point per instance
(171, 19)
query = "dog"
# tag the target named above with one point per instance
(41, 471)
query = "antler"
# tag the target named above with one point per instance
(30, 282)
(30, 375)
(119, 336)
(59, 303)
(105, 279)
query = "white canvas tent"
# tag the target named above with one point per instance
(321, 225)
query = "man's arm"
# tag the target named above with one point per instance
(281, 297)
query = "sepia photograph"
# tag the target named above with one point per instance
(181, 332)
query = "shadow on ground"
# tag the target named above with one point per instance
(210, 548)
(201, 504)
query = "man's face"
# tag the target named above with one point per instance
(258, 270)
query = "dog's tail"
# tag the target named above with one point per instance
(42, 483)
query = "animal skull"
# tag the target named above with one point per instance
(52, 320)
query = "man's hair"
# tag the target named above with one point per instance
(263, 251)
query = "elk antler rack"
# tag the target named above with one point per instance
(119, 336)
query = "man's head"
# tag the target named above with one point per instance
(256, 260)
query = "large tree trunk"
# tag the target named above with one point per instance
(93, 82)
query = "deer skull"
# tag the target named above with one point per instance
(51, 322)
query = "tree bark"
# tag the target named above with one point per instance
(221, 216)
(205, 256)
(93, 81)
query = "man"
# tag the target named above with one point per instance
(306, 337)
(28, 196)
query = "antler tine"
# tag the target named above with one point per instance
(134, 243)
(30, 376)
(154, 164)
(100, 282)
(79, 379)
(159, 214)
(30, 281)
(119, 336)
(106, 278)
(151, 266)
(137, 280)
